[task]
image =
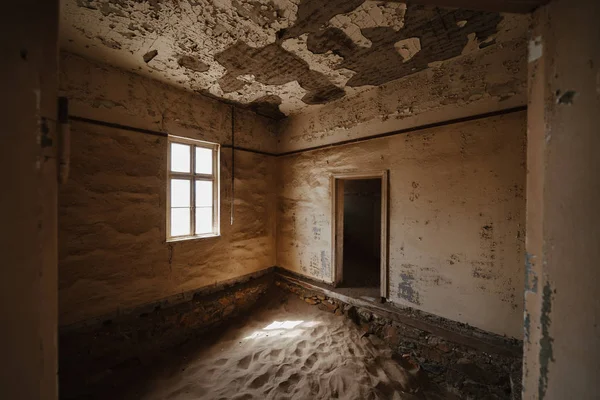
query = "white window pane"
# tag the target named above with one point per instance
(180, 221)
(204, 193)
(180, 157)
(204, 220)
(204, 160)
(180, 193)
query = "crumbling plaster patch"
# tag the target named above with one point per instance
(491, 79)
(370, 14)
(180, 40)
(195, 29)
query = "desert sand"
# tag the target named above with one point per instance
(286, 349)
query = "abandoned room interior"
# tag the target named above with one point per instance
(301, 199)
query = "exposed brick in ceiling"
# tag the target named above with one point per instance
(276, 56)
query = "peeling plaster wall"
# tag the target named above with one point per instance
(456, 230)
(235, 49)
(488, 80)
(112, 212)
(562, 307)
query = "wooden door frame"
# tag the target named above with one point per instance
(337, 224)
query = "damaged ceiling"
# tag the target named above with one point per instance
(277, 56)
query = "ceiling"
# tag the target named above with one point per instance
(279, 57)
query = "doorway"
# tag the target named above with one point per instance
(360, 234)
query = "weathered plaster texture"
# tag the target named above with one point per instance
(28, 149)
(112, 214)
(562, 307)
(456, 230)
(99, 91)
(234, 49)
(488, 80)
(112, 211)
(113, 253)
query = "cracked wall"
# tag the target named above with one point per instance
(112, 211)
(456, 231)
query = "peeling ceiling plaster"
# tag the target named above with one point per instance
(278, 56)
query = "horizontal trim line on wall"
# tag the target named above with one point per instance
(156, 133)
(117, 126)
(264, 153)
(408, 130)
(320, 147)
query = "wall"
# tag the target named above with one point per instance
(28, 146)
(562, 309)
(456, 217)
(112, 212)
(491, 79)
(105, 93)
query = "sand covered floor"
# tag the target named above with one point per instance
(286, 349)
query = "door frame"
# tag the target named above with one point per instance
(337, 225)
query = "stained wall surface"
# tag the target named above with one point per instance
(562, 307)
(456, 217)
(488, 80)
(112, 212)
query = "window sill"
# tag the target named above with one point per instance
(186, 238)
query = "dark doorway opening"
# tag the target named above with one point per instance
(362, 235)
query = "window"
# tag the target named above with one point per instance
(192, 189)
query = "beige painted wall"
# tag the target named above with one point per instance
(456, 233)
(105, 93)
(562, 307)
(484, 81)
(28, 144)
(112, 249)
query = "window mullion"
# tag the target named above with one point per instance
(215, 209)
(193, 192)
(169, 194)
(180, 175)
(206, 177)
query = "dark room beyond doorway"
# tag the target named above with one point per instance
(362, 235)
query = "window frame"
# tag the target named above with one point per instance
(192, 176)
